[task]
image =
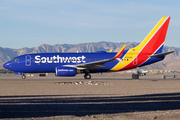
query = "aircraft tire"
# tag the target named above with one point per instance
(23, 77)
(87, 76)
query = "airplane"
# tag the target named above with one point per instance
(142, 72)
(138, 71)
(69, 64)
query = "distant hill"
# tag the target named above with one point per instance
(172, 61)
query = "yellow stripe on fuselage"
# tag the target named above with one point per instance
(133, 52)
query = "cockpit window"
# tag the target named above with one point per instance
(15, 60)
(12, 59)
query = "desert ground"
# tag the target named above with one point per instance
(109, 96)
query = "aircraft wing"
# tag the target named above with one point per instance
(99, 64)
(93, 65)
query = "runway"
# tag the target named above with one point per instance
(107, 96)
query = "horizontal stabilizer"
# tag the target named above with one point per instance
(161, 54)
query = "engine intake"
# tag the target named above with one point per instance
(65, 71)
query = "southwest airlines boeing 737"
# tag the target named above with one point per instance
(69, 64)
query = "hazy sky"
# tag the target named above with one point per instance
(30, 23)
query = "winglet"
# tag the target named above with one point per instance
(120, 52)
(110, 50)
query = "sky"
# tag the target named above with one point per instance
(30, 23)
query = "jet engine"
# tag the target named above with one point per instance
(65, 71)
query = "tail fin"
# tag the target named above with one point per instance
(152, 44)
(154, 41)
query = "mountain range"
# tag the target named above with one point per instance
(171, 62)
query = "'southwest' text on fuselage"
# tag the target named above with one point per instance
(58, 59)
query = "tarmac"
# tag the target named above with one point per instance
(109, 96)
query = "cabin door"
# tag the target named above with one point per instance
(28, 60)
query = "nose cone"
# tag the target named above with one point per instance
(6, 65)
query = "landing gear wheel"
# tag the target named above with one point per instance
(23, 77)
(87, 76)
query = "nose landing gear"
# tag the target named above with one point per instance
(23, 77)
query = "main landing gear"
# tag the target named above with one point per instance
(23, 77)
(87, 76)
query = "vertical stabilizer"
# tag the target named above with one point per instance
(152, 44)
(154, 41)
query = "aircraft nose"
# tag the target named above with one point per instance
(6, 65)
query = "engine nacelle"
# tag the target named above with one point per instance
(65, 71)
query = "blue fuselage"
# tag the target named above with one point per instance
(47, 62)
